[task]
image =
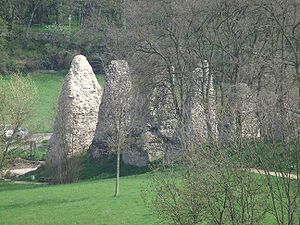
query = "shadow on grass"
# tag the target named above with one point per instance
(10, 186)
(47, 202)
(106, 168)
(39, 175)
(91, 170)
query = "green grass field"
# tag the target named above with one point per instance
(84, 203)
(48, 86)
(81, 203)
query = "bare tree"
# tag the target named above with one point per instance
(119, 139)
(17, 102)
(251, 43)
(114, 120)
(208, 185)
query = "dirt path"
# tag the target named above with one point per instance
(40, 137)
(275, 174)
(22, 166)
(29, 182)
(23, 171)
(37, 138)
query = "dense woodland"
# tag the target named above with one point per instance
(240, 40)
(42, 34)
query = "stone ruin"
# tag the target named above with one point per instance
(114, 109)
(77, 114)
(146, 136)
(146, 118)
(155, 132)
(158, 135)
(203, 104)
(239, 118)
(143, 145)
(277, 109)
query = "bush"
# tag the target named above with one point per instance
(66, 171)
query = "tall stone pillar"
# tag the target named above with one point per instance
(114, 111)
(77, 113)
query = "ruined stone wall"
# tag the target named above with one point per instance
(160, 134)
(239, 118)
(203, 104)
(277, 108)
(155, 124)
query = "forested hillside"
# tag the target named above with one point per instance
(243, 41)
(46, 34)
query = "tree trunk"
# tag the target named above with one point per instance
(124, 14)
(299, 94)
(33, 13)
(11, 19)
(117, 190)
(59, 17)
(298, 80)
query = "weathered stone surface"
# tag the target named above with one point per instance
(203, 105)
(239, 119)
(77, 114)
(277, 109)
(115, 110)
(160, 136)
(147, 147)
(143, 150)
(163, 111)
(155, 124)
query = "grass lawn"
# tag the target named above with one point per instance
(48, 85)
(81, 203)
(84, 203)
(88, 202)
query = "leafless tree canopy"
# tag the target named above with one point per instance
(252, 49)
(17, 100)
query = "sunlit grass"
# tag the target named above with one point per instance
(81, 203)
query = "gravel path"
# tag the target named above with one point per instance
(23, 171)
(275, 174)
(40, 137)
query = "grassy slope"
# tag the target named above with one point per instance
(82, 203)
(49, 86)
(89, 202)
